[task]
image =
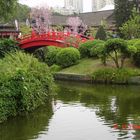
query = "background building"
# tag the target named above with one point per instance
(97, 5)
(76, 5)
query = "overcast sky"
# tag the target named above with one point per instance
(54, 3)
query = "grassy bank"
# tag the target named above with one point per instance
(103, 74)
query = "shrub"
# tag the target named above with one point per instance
(25, 84)
(50, 57)
(97, 50)
(117, 76)
(101, 34)
(55, 68)
(132, 42)
(40, 54)
(115, 49)
(136, 57)
(47, 54)
(67, 57)
(7, 46)
(86, 47)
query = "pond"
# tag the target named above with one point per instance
(81, 112)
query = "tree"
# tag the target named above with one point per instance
(41, 19)
(123, 11)
(116, 49)
(22, 12)
(101, 34)
(7, 8)
(74, 24)
(131, 28)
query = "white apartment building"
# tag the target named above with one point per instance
(76, 5)
(99, 4)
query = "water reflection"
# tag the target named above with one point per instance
(81, 112)
(27, 126)
(113, 105)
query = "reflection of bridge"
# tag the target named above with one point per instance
(58, 39)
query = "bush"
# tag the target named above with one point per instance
(55, 68)
(116, 76)
(47, 54)
(67, 57)
(50, 57)
(132, 42)
(136, 56)
(101, 34)
(25, 84)
(86, 47)
(7, 46)
(97, 50)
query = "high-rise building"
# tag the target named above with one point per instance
(76, 5)
(99, 4)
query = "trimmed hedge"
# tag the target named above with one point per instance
(25, 84)
(86, 47)
(68, 57)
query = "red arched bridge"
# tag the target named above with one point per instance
(58, 39)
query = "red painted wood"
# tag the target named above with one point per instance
(57, 39)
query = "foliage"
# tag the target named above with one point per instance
(67, 57)
(117, 76)
(25, 30)
(97, 50)
(22, 12)
(47, 54)
(55, 68)
(7, 46)
(7, 9)
(101, 34)
(132, 42)
(123, 10)
(131, 28)
(50, 57)
(86, 47)
(115, 49)
(40, 54)
(136, 56)
(25, 84)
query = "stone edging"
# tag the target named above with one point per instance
(88, 79)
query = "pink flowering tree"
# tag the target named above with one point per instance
(76, 25)
(41, 19)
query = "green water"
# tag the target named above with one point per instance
(81, 112)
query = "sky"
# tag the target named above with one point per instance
(54, 3)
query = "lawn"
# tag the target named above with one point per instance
(90, 65)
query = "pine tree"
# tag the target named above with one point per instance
(101, 34)
(123, 11)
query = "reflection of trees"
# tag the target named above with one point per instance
(114, 104)
(26, 127)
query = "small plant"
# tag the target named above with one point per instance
(67, 57)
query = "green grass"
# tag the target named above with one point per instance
(89, 65)
(85, 66)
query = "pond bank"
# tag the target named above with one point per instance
(135, 80)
